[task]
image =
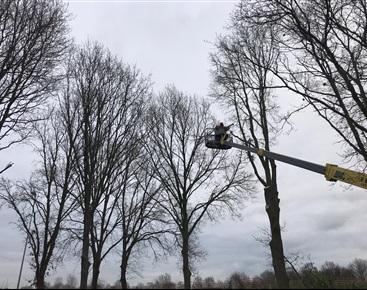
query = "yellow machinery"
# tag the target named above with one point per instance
(330, 171)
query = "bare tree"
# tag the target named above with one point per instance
(33, 40)
(238, 280)
(164, 282)
(198, 282)
(242, 81)
(333, 270)
(197, 182)
(143, 221)
(44, 202)
(359, 268)
(265, 280)
(324, 52)
(102, 101)
(209, 282)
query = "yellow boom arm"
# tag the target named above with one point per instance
(334, 173)
(330, 171)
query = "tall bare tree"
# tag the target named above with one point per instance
(44, 202)
(33, 40)
(242, 81)
(103, 102)
(198, 183)
(143, 221)
(324, 52)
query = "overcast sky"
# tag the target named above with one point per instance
(170, 41)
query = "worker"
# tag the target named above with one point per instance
(220, 130)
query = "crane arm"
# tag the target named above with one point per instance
(330, 171)
(334, 173)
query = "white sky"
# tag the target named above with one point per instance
(168, 40)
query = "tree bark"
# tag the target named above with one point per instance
(185, 260)
(123, 269)
(276, 244)
(95, 276)
(85, 264)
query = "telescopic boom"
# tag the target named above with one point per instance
(331, 172)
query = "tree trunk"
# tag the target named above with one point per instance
(123, 268)
(96, 266)
(276, 244)
(40, 279)
(85, 251)
(88, 214)
(185, 260)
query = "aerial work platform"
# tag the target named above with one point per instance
(331, 172)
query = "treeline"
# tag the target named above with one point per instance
(329, 276)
